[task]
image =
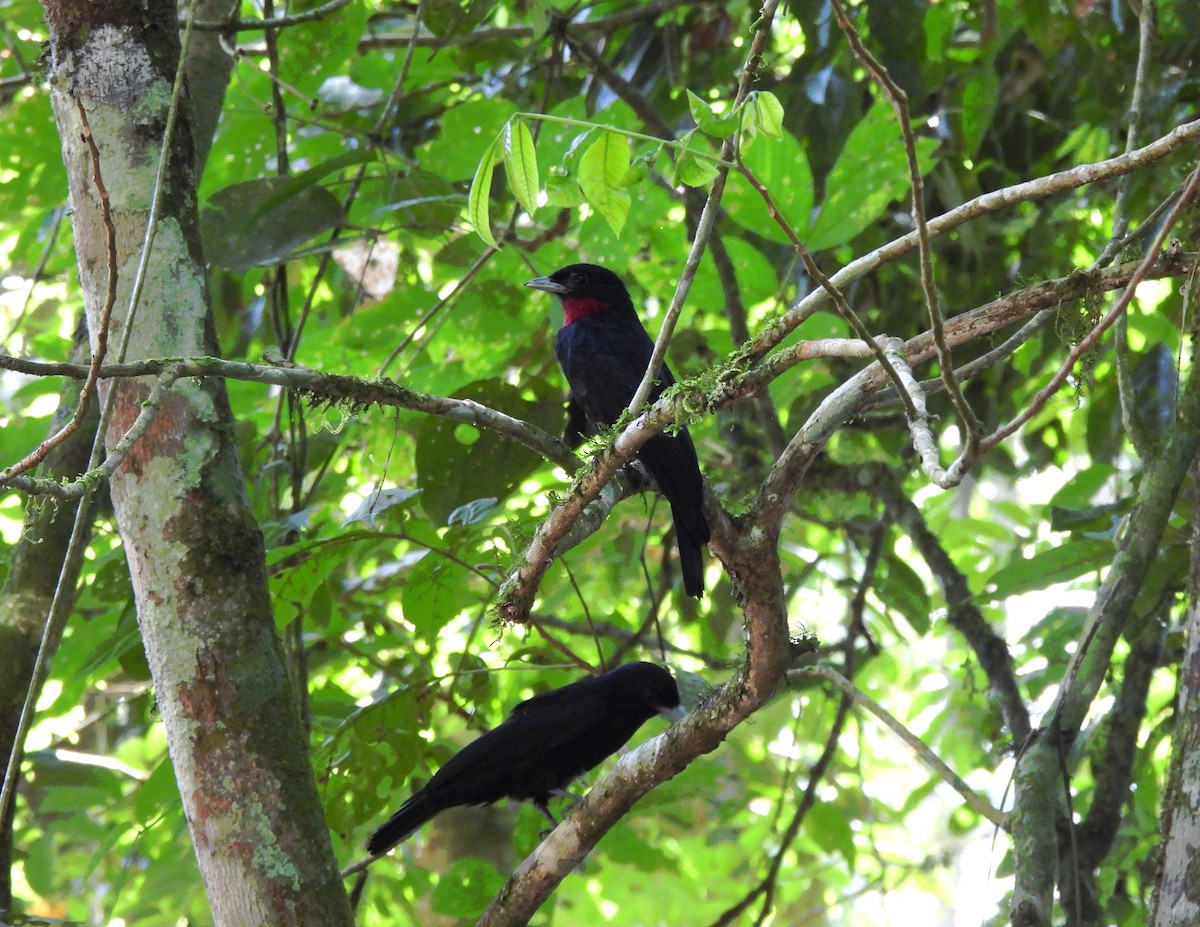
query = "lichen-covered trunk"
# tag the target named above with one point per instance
(1177, 895)
(194, 549)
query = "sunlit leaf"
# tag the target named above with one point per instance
(478, 207)
(601, 170)
(520, 164)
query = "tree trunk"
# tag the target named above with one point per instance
(1177, 895)
(195, 552)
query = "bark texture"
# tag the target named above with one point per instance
(1177, 895)
(194, 548)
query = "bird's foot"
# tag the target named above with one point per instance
(570, 797)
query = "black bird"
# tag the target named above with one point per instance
(543, 744)
(604, 352)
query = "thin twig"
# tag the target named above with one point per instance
(708, 215)
(272, 22)
(637, 13)
(899, 101)
(1131, 423)
(974, 800)
(1086, 343)
(839, 298)
(983, 205)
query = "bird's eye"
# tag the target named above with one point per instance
(576, 280)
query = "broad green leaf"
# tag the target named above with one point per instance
(320, 48)
(901, 589)
(692, 166)
(780, 165)
(478, 207)
(436, 590)
(296, 183)
(272, 233)
(458, 464)
(454, 17)
(768, 113)
(1054, 565)
(601, 170)
(940, 20)
(870, 173)
(466, 889)
(562, 190)
(980, 95)
(708, 121)
(520, 163)
(466, 132)
(422, 201)
(693, 171)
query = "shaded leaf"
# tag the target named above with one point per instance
(458, 463)
(435, 592)
(902, 589)
(376, 503)
(466, 889)
(708, 121)
(240, 232)
(473, 512)
(1054, 565)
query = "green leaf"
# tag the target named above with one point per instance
(708, 121)
(693, 171)
(275, 228)
(691, 168)
(980, 95)
(781, 165)
(870, 173)
(466, 889)
(477, 199)
(295, 184)
(902, 589)
(458, 464)
(435, 592)
(767, 113)
(467, 131)
(520, 163)
(601, 170)
(321, 48)
(1055, 565)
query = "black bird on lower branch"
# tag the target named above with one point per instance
(543, 744)
(604, 352)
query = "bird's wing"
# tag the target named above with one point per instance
(560, 717)
(535, 729)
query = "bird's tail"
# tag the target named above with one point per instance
(691, 540)
(412, 814)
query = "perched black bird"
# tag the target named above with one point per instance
(541, 746)
(604, 352)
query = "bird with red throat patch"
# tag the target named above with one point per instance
(604, 351)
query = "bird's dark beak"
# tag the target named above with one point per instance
(678, 713)
(545, 283)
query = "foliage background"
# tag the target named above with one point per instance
(389, 531)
